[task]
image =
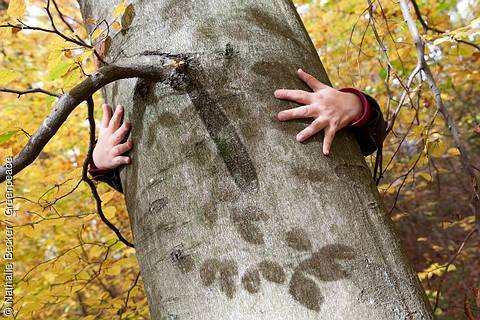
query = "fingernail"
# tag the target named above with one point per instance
(300, 137)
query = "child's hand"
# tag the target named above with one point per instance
(108, 151)
(331, 109)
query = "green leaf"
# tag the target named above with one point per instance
(7, 135)
(58, 70)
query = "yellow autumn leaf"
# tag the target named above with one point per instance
(7, 76)
(115, 270)
(453, 152)
(96, 251)
(436, 148)
(116, 26)
(120, 9)
(4, 154)
(109, 212)
(30, 231)
(108, 196)
(16, 9)
(98, 32)
(442, 40)
(90, 21)
(426, 176)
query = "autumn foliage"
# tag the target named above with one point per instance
(69, 265)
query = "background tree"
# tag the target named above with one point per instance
(72, 266)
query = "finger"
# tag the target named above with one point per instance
(120, 133)
(122, 148)
(116, 119)
(328, 139)
(121, 160)
(107, 115)
(310, 80)
(298, 96)
(312, 129)
(296, 113)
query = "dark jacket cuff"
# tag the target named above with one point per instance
(110, 177)
(370, 136)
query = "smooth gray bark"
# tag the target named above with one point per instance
(232, 218)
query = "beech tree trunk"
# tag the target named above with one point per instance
(232, 218)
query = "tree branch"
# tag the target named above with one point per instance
(89, 181)
(78, 40)
(24, 26)
(62, 17)
(157, 68)
(427, 27)
(27, 91)
(464, 156)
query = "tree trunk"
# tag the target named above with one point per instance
(232, 218)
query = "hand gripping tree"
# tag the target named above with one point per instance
(232, 219)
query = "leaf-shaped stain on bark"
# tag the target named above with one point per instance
(229, 145)
(245, 221)
(349, 172)
(271, 24)
(185, 264)
(208, 271)
(251, 280)
(298, 239)
(305, 291)
(209, 214)
(228, 272)
(168, 119)
(224, 271)
(158, 205)
(272, 271)
(323, 264)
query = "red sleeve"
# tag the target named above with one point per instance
(367, 109)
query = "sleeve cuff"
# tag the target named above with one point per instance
(367, 110)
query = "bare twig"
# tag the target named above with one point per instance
(54, 27)
(62, 17)
(157, 68)
(464, 156)
(427, 27)
(91, 184)
(128, 295)
(24, 26)
(27, 91)
(449, 263)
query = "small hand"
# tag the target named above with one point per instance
(331, 109)
(108, 151)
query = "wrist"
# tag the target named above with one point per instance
(94, 168)
(361, 109)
